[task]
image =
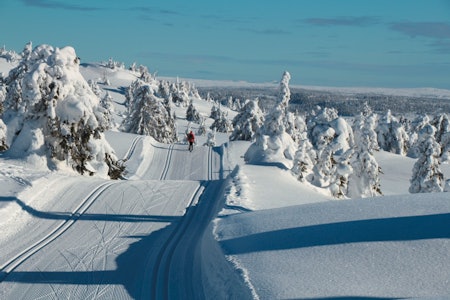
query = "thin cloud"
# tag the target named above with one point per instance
(58, 5)
(439, 30)
(267, 31)
(343, 21)
(441, 46)
(155, 10)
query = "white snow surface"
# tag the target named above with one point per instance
(205, 225)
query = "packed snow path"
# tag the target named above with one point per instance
(84, 238)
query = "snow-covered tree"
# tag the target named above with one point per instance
(148, 115)
(95, 87)
(202, 128)
(192, 114)
(305, 157)
(247, 122)
(3, 145)
(365, 180)
(108, 109)
(2, 96)
(274, 143)
(442, 125)
(222, 123)
(427, 175)
(51, 113)
(211, 139)
(413, 141)
(391, 134)
(215, 111)
(333, 138)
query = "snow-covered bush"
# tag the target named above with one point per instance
(51, 113)
(148, 115)
(247, 122)
(427, 176)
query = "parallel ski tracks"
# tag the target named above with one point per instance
(132, 148)
(167, 163)
(17, 260)
(160, 288)
(161, 271)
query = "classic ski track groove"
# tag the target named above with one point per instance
(17, 260)
(161, 271)
(132, 148)
(167, 164)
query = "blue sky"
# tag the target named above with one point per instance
(382, 43)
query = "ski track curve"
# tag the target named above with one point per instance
(132, 148)
(7, 267)
(174, 270)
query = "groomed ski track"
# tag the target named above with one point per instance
(140, 238)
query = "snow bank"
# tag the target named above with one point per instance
(380, 247)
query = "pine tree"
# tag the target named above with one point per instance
(427, 176)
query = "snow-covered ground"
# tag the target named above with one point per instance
(206, 225)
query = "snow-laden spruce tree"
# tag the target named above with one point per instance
(427, 176)
(53, 116)
(106, 103)
(222, 123)
(247, 122)
(95, 87)
(365, 180)
(391, 134)
(192, 114)
(147, 114)
(305, 157)
(211, 138)
(333, 139)
(273, 143)
(442, 125)
(413, 140)
(3, 145)
(215, 112)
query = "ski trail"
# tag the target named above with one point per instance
(161, 272)
(167, 163)
(132, 148)
(17, 260)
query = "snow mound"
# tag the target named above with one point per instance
(391, 247)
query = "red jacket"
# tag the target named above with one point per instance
(191, 137)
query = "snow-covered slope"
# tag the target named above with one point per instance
(271, 236)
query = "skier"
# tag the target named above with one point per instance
(191, 140)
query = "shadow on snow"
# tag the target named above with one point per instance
(373, 230)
